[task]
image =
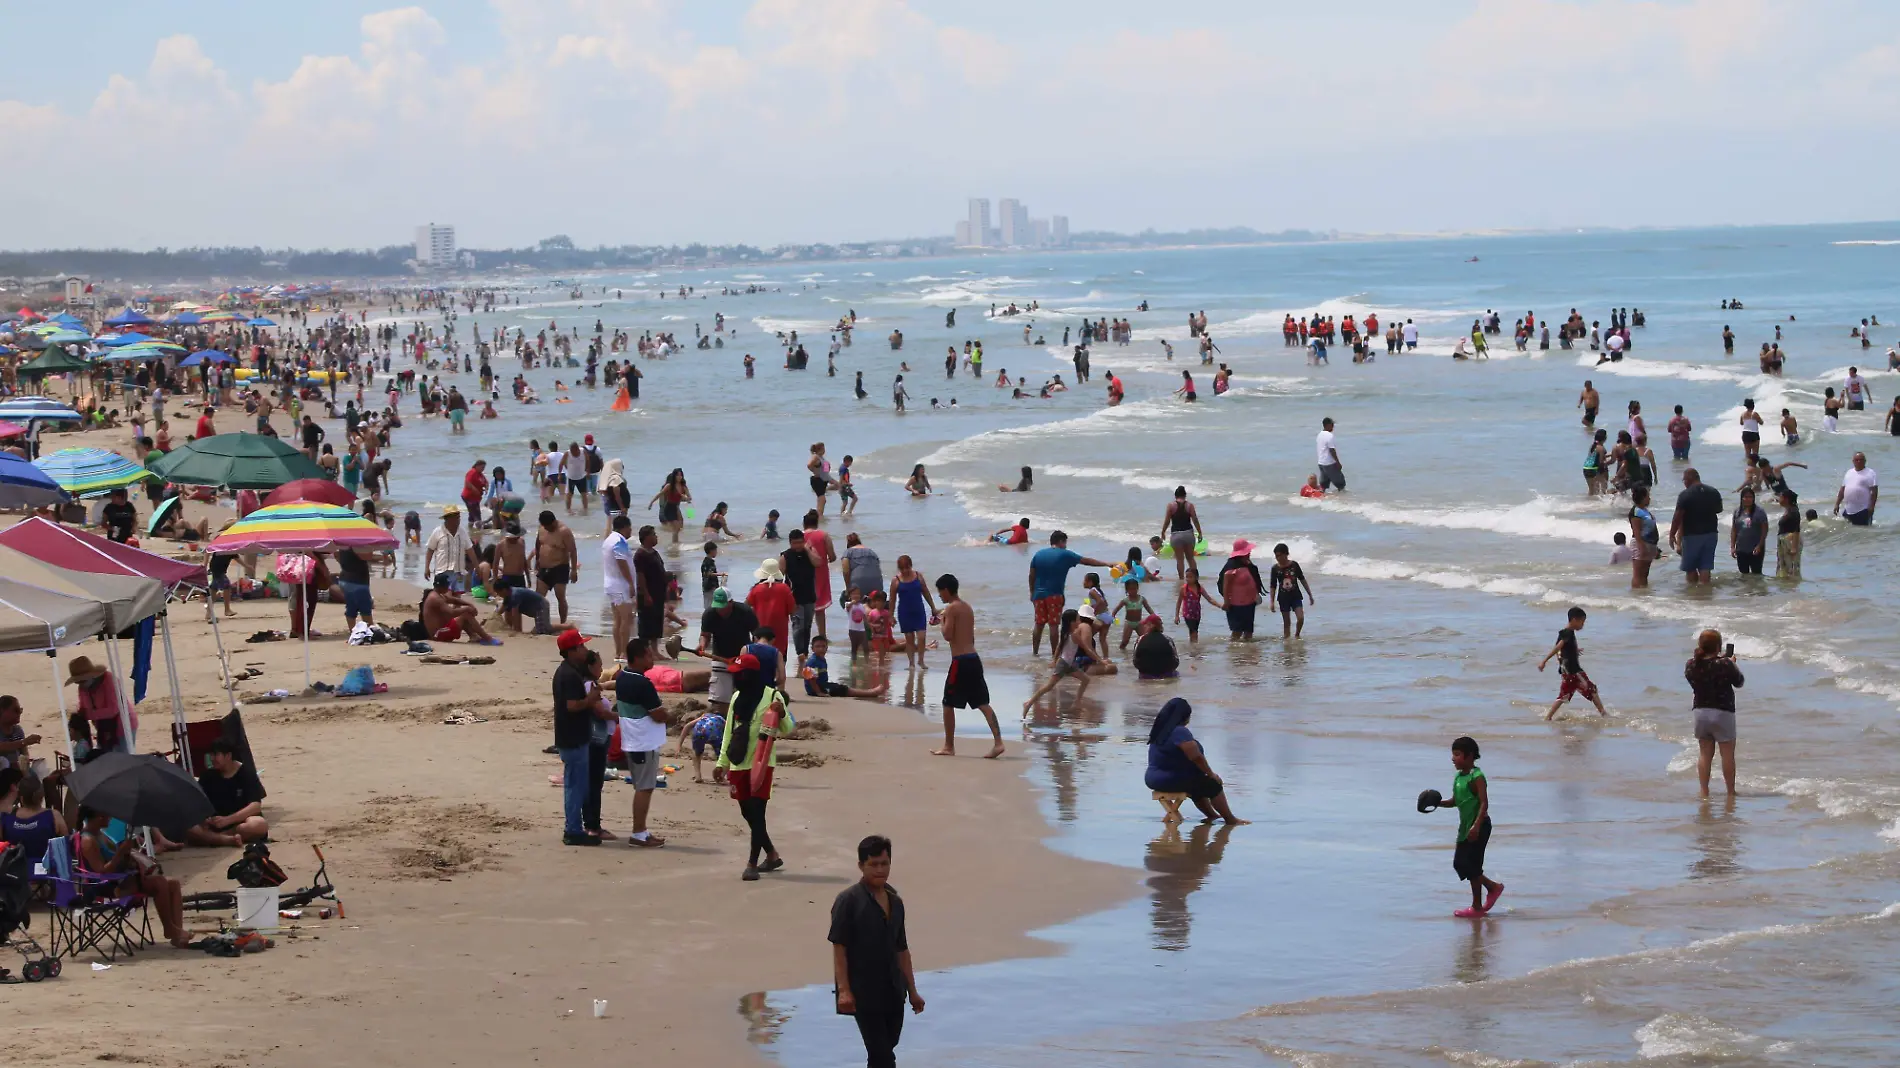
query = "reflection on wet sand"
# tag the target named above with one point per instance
(1718, 839)
(763, 1022)
(1059, 732)
(1180, 866)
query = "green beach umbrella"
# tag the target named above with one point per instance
(237, 461)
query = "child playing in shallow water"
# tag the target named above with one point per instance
(1188, 600)
(1472, 798)
(1132, 610)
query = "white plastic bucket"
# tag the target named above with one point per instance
(257, 907)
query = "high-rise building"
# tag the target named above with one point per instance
(435, 246)
(963, 232)
(979, 220)
(1039, 233)
(1013, 221)
(1059, 230)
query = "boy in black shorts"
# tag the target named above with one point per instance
(1285, 579)
(1570, 667)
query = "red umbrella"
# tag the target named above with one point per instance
(318, 490)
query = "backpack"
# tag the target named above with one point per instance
(594, 462)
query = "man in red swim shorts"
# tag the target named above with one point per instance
(448, 615)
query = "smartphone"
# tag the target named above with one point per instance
(1730, 651)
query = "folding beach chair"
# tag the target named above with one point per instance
(92, 912)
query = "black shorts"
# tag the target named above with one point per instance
(1751, 437)
(820, 486)
(650, 622)
(552, 576)
(505, 582)
(1468, 859)
(1291, 602)
(964, 685)
(837, 689)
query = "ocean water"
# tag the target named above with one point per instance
(1639, 926)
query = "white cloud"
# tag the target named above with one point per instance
(813, 119)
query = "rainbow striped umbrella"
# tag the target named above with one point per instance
(302, 526)
(85, 472)
(222, 317)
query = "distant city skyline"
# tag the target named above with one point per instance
(1013, 229)
(652, 122)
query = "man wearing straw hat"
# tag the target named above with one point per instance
(772, 602)
(98, 703)
(449, 551)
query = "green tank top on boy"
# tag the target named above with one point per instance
(1466, 799)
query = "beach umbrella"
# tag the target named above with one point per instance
(302, 527)
(203, 356)
(261, 321)
(143, 789)
(118, 341)
(10, 430)
(68, 319)
(236, 461)
(61, 335)
(221, 317)
(318, 490)
(89, 472)
(54, 361)
(128, 317)
(187, 319)
(29, 408)
(165, 508)
(23, 485)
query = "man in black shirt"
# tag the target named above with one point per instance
(237, 801)
(353, 577)
(577, 702)
(118, 517)
(650, 598)
(870, 955)
(728, 626)
(801, 566)
(1692, 530)
(312, 437)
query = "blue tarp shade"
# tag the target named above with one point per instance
(206, 356)
(142, 657)
(128, 317)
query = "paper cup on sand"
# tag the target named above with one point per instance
(600, 1008)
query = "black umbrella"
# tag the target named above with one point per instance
(144, 790)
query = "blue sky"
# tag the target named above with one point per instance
(347, 122)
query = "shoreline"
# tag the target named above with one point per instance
(442, 843)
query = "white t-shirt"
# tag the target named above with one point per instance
(1324, 446)
(1615, 343)
(614, 548)
(1856, 385)
(1411, 334)
(1859, 487)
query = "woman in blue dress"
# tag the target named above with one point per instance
(916, 609)
(1177, 764)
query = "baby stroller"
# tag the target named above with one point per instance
(16, 893)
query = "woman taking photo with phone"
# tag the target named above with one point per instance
(1713, 677)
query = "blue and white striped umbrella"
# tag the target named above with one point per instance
(28, 408)
(88, 472)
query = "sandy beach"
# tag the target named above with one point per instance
(470, 932)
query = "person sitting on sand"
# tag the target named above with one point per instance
(447, 615)
(818, 676)
(174, 526)
(1178, 765)
(236, 801)
(1155, 657)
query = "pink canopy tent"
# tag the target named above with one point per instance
(78, 550)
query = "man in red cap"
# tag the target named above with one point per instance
(577, 703)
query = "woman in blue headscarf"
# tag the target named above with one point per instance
(1178, 764)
